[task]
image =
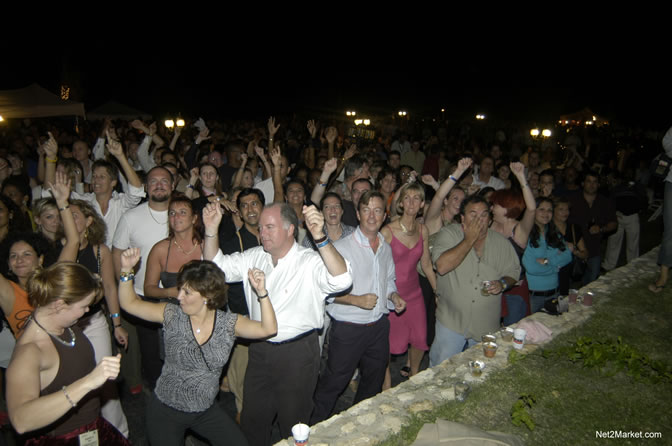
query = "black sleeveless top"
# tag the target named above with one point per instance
(74, 363)
(91, 260)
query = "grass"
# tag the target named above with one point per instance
(573, 402)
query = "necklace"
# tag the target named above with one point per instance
(67, 344)
(183, 251)
(157, 221)
(403, 228)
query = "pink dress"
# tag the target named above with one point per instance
(409, 327)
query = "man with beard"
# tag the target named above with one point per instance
(250, 203)
(142, 227)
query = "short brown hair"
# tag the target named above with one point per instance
(206, 278)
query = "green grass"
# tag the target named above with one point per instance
(573, 402)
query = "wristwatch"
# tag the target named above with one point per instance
(504, 284)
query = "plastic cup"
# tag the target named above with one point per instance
(489, 349)
(573, 294)
(587, 299)
(300, 433)
(507, 334)
(488, 338)
(519, 338)
(461, 391)
(476, 368)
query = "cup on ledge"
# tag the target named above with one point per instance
(476, 368)
(507, 334)
(300, 433)
(489, 349)
(461, 390)
(519, 338)
(587, 299)
(573, 294)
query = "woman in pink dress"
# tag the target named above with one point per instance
(409, 241)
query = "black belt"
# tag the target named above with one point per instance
(369, 324)
(543, 293)
(295, 338)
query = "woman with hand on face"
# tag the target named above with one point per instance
(52, 380)
(198, 338)
(409, 240)
(545, 254)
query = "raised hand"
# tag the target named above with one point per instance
(352, 151)
(130, 258)
(50, 147)
(136, 124)
(314, 221)
(518, 169)
(272, 128)
(212, 216)
(243, 159)
(60, 189)
(203, 135)
(312, 128)
(258, 281)
(260, 152)
(331, 135)
(276, 156)
(430, 181)
(462, 166)
(114, 146)
(193, 175)
(152, 128)
(330, 166)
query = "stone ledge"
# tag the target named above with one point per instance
(374, 420)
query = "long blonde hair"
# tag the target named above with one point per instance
(68, 281)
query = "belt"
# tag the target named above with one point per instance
(544, 293)
(295, 338)
(368, 324)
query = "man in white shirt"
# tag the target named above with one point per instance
(484, 177)
(360, 329)
(142, 227)
(282, 371)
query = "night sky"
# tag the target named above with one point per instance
(213, 84)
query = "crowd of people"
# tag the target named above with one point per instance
(226, 256)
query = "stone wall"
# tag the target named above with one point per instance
(375, 419)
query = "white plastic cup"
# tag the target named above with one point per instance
(519, 338)
(300, 433)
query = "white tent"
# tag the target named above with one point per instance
(36, 102)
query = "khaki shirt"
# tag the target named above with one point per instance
(461, 307)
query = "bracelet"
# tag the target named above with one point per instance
(211, 236)
(264, 296)
(68, 397)
(322, 244)
(320, 240)
(126, 277)
(524, 186)
(505, 285)
(323, 184)
(190, 186)
(49, 160)
(114, 315)
(64, 207)
(452, 178)
(117, 326)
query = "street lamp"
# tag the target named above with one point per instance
(546, 133)
(351, 113)
(172, 123)
(402, 113)
(534, 132)
(480, 117)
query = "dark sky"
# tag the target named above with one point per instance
(220, 84)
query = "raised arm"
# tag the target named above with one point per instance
(28, 410)
(238, 177)
(60, 190)
(51, 157)
(212, 216)
(276, 157)
(321, 187)
(434, 211)
(176, 136)
(332, 258)
(331, 134)
(149, 311)
(115, 149)
(111, 294)
(268, 171)
(268, 326)
(522, 231)
(272, 130)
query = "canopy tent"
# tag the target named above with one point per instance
(115, 110)
(585, 116)
(34, 101)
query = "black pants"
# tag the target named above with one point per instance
(150, 347)
(352, 346)
(167, 426)
(280, 380)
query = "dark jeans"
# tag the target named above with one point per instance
(280, 380)
(167, 426)
(352, 346)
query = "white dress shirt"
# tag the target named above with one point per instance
(371, 273)
(297, 286)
